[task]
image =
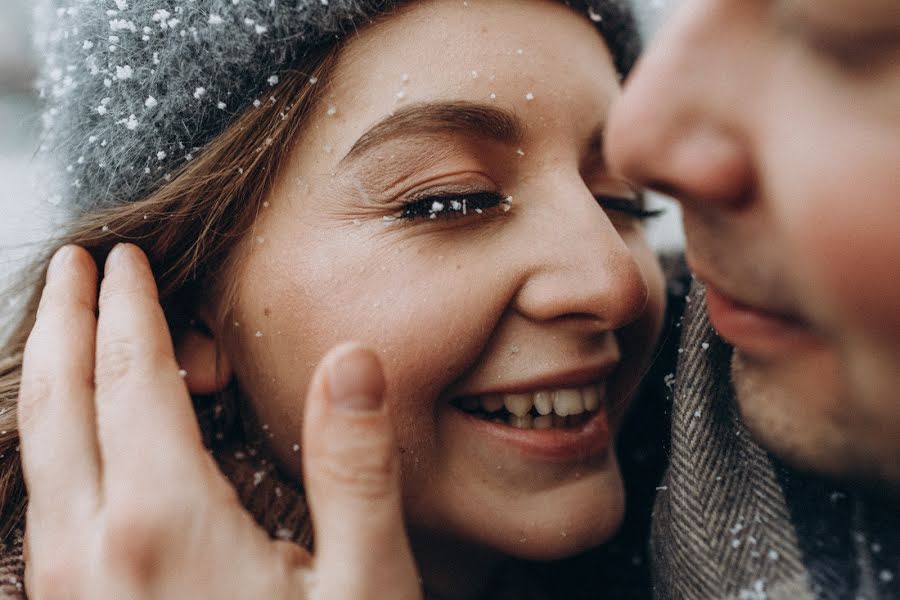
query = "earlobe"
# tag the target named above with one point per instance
(208, 370)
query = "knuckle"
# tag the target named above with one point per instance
(132, 541)
(121, 359)
(116, 359)
(358, 469)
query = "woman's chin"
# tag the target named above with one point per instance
(564, 536)
(541, 525)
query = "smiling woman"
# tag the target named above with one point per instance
(535, 296)
(433, 187)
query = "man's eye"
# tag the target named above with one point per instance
(859, 53)
(451, 205)
(627, 206)
(855, 46)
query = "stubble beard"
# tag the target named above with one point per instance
(806, 430)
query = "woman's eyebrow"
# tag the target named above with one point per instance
(479, 120)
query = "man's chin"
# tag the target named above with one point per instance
(799, 413)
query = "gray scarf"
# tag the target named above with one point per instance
(732, 522)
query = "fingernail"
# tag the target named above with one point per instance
(59, 259)
(115, 257)
(355, 380)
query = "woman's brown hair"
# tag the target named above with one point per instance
(189, 229)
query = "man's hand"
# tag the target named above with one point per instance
(125, 502)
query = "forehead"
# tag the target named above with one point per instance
(442, 39)
(539, 60)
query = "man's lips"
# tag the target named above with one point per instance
(756, 331)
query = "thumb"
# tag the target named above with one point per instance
(351, 471)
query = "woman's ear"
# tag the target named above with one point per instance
(208, 370)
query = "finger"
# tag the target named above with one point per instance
(145, 419)
(59, 448)
(352, 476)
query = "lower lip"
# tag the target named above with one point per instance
(753, 331)
(590, 440)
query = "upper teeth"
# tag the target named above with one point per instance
(543, 403)
(518, 404)
(562, 402)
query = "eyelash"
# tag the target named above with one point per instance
(448, 205)
(451, 205)
(627, 206)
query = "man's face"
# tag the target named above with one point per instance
(777, 126)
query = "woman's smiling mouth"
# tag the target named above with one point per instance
(545, 409)
(559, 418)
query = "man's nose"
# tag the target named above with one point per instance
(677, 128)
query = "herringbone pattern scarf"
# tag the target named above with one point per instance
(731, 523)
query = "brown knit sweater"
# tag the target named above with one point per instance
(12, 569)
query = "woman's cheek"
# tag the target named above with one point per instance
(640, 339)
(649, 325)
(428, 323)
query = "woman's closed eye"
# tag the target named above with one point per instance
(457, 205)
(454, 205)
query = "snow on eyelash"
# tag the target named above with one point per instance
(447, 205)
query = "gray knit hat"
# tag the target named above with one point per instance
(134, 88)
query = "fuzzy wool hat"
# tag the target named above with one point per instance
(134, 88)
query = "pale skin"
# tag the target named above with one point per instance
(107, 425)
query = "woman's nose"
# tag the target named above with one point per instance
(581, 270)
(677, 126)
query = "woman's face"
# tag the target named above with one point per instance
(440, 207)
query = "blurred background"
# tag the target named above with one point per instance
(26, 219)
(19, 129)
